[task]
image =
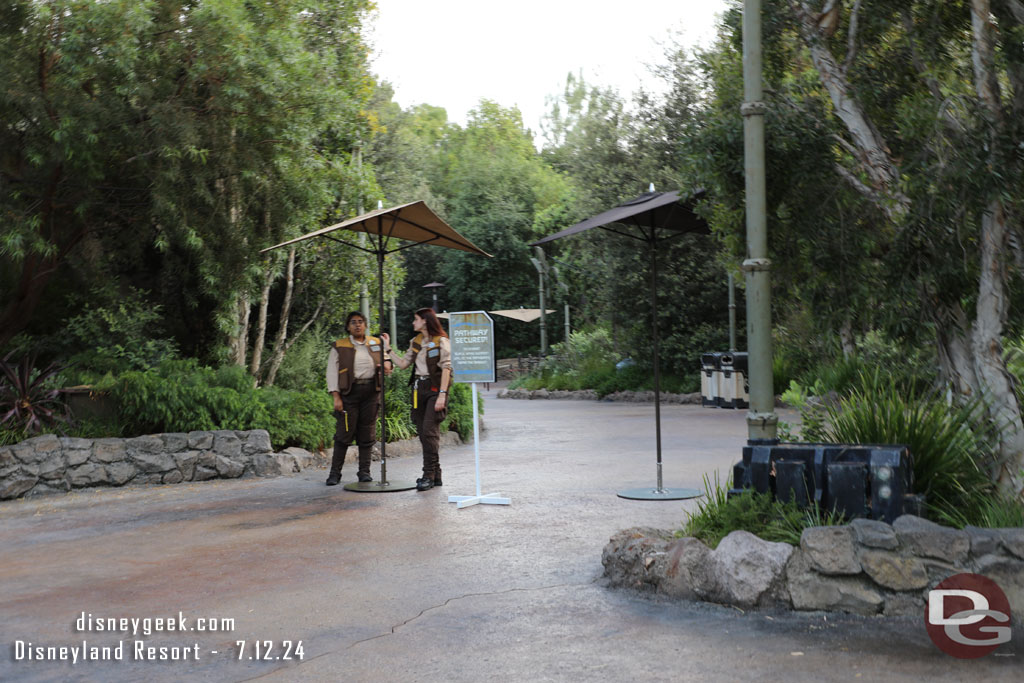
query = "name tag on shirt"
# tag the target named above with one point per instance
(433, 353)
(375, 348)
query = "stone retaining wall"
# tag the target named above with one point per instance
(52, 464)
(48, 463)
(867, 567)
(591, 395)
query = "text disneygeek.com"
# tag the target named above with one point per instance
(141, 650)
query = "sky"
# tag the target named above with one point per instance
(452, 53)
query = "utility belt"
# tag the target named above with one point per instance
(424, 381)
(371, 380)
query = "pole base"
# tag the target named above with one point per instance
(486, 499)
(380, 486)
(654, 493)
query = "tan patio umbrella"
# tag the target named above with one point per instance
(391, 230)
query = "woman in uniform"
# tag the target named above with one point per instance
(430, 353)
(353, 379)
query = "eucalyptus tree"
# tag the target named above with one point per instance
(903, 120)
(160, 143)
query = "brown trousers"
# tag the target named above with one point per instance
(362, 403)
(428, 421)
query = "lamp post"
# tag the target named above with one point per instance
(433, 287)
(541, 264)
(761, 418)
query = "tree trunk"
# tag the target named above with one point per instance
(261, 324)
(282, 330)
(240, 342)
(846, 339)
(993, 303)
(953, 342)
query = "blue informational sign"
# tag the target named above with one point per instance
(472, 336)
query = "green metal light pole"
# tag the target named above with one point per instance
(761, 418)
(541, 264)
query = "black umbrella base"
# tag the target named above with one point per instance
(654, 493)
(380, 486)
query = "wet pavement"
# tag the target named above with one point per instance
(405, 587)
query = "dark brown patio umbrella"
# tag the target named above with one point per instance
(391, 230)
(652, 218)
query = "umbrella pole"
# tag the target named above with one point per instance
(383, 485)
(383, 391)
(657, 364)
(659, 492)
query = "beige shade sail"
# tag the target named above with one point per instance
(527, 315)
(413, 222)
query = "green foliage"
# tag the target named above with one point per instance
(297, 418)
(717, 516)
(304, 365)
(588, 360)
(460, 410)
(182, 396)
(161, 144)
(951, 445)
(124, 335)
(993, 511)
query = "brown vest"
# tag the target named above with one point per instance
(433, 362)
(347, 361)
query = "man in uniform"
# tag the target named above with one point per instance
(353, 379)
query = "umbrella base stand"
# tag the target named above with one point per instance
(486, 499)
(657, 493)
(380, 486)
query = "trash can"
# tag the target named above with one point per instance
(710, 374)
(733, 385)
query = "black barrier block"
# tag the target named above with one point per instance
(791, 481)
(761, 477)
(892, 476)
(882, 493)
(741, 475)
(848, 488)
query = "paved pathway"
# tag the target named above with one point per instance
(405, 587)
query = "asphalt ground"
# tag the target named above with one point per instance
(402, 586)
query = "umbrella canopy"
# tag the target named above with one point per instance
(413, 222)
(653, 217)
(646, 214)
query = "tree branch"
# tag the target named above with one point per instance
(851, 39)
(874, 153)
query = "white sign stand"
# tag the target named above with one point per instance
(487, 498)
(483, 354)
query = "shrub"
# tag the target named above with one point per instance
(303, 366)
(717, 516)
(30, 399)
(297, 418)
(182, 396)
(123, 335)
(949, 444)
